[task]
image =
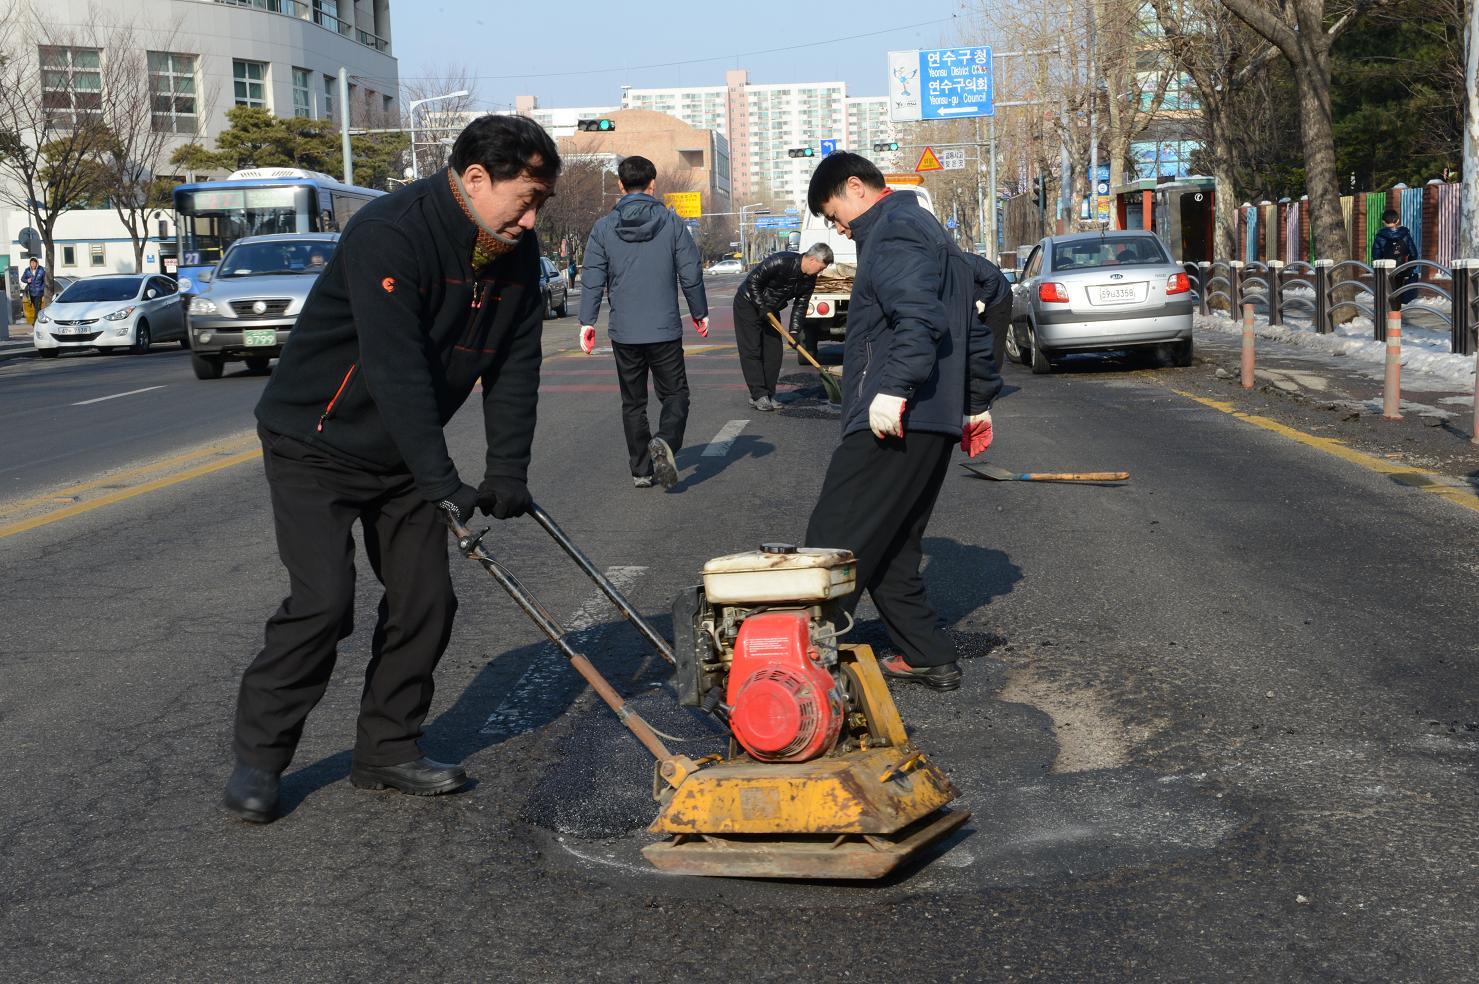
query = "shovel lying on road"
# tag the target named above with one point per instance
(1002, 475)
(829, 381)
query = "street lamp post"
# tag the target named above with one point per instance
(760, 208)
(411, 112)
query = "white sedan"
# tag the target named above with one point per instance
(113, 311)
(726, 266)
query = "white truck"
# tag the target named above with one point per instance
(826, 312)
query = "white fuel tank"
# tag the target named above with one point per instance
(780, 573)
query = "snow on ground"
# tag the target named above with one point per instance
(1425, 351)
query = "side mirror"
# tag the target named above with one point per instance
(150, 294)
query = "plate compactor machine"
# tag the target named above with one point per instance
(820, 779)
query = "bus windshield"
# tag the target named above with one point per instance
(211, 219)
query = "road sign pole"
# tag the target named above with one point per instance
(991, 130)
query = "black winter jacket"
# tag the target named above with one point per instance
(396, 333)
(776, 281)
(911, 325)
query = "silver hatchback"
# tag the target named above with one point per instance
(245, 308)
(1100, 291)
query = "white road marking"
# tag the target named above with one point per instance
(115, 396)
(724, 440)
(515, 714)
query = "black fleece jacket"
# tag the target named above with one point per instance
(396, 333)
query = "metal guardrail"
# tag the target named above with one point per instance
(1327, 288)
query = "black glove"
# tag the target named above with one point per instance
(464, 501)
(503, 498)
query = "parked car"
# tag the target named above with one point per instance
(726, 266)
(245, 307)
(556, 290)
(1099, 291)
(112, 311)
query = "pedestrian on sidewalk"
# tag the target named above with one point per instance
(779, 279)
(434, 288)
(33, 298)
(639, 254)
(1393, 241)
(919, 380)
(570, 273)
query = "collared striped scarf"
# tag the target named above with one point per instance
(486, 249)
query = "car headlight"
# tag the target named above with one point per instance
(202, 305)
(119, 315)
(43, 318)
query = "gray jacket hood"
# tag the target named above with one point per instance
(639, 218)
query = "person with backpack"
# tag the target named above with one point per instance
(1393, 241)
(917, 379)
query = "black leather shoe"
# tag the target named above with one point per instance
(422, 777)
(946, 676)
(251, 794)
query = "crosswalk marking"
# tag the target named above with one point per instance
(723, 440)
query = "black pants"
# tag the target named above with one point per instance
(315, 503)
(876, 501)
(760, 348)
(664, 360)
(999, 319)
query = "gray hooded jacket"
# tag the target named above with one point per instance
(638, 254)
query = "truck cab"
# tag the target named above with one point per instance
(826, 312)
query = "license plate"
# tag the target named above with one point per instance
(1110, 294)
(259, 336)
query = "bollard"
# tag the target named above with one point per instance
(1381, 296)
(1275, 292)
(1235, 285)
(1462, 336)
(1247, 346)
(1391, 390)
(1324, 323)
(1204, 277)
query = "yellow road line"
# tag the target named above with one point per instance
(1409, 475)
(124, 494)
(10, 508)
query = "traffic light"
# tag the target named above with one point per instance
(802, 152)
(598, 126)
(1039, 191)
(886, 145)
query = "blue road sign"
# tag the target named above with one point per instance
(778, 222)
(829, 147)
(956, 83)
(949, 223)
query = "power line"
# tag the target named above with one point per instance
(690, 61)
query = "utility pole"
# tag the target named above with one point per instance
(344, 125)
(1469, 222)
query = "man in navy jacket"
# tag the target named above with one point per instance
(917, 378)
(636, 254)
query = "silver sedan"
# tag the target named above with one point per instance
(1097, 292)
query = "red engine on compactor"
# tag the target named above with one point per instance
(784, 705)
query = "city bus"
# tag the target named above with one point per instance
(211, 215)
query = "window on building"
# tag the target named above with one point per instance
(329, 83)
(250, 78)
(71, 82)
(302, 94)
(69, 256)
(95, 255)
(172, 92)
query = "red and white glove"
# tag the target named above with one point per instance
(587, 338)
(886, 416)
(975, 433)
(701, 325)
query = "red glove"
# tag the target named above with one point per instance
(701, 325)
(587, 338)
(975, 433)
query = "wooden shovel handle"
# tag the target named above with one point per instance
(1076, 476)
(776, 324)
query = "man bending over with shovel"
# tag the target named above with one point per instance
(779, 279)
(917, 380)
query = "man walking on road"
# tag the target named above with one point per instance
(639, 253)
(433, 289)
(777, 280)
(34, 297)
(917, 379)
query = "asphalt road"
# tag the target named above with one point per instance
(1218, 723)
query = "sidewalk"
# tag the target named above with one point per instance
(19, 346)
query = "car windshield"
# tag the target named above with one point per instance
(266, 259)
(101, 289)
(1086, 254)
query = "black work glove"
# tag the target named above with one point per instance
(503, 498)
(463, 501)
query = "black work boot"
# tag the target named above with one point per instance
(251, 794)
(423, 777)
(946, 676)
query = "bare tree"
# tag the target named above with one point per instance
(1124, 56)
(1298, 28)
(441, 120)
(50, 121)
(1469, 234)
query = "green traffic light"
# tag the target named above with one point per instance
(606, 125)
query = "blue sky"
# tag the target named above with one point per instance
(542, 45)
